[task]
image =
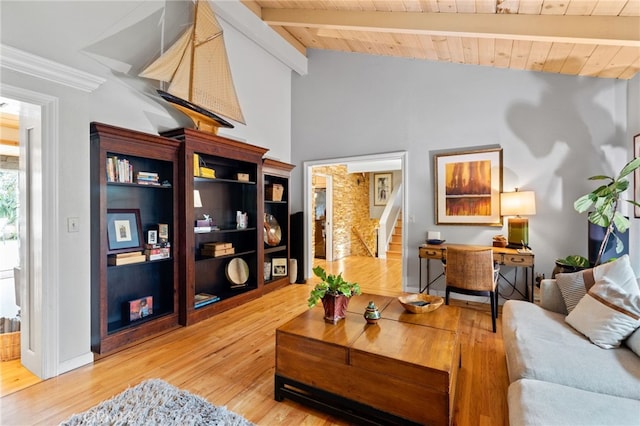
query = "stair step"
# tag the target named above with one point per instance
(394, 255)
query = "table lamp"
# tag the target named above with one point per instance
(518, 203)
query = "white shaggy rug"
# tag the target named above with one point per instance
(155, 402)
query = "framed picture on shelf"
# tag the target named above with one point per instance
(279, 267)
(140, 308)
(152, 236)
(124, 230)
(468, 186)
(636, 175)
(382, 187)
(163, 232)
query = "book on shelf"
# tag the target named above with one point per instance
(217, 252)
(158, 253)
(148, 178)
(116, 260)
(202, 299)
(119, 170)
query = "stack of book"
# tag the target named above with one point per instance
(126, 258)
(157, 251)
(202, 299)
(217, 249)
(119, 170)
(148, 178)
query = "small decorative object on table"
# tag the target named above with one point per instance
(334, 292)
(500, 241)
(371, 313)
(420, 303)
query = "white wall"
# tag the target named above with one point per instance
(65, 31)
(555, 132)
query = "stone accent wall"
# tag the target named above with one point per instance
(350, 212)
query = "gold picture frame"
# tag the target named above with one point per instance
(467, 187)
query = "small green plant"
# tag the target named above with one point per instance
(605, 200)
(331, 284)
(574, 261)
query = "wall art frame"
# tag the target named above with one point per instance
(467, 187)
(382, 188)
(124, 230)
(636, 176)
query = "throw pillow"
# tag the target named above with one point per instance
(606, 315)
(573, 286)
(618, 272)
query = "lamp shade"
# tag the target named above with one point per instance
(197, 201)
(518, 203)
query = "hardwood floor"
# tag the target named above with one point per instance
(229, 360)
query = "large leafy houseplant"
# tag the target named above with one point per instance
(332, 285)
(605, 201)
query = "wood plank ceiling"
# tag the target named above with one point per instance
(597, 38)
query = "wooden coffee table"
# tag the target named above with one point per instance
(401, 370)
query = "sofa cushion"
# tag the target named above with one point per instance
(540, 345)
(606, 315)
(532, 402)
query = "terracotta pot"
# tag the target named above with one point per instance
(335, 307)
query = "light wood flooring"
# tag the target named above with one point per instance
(229, 360)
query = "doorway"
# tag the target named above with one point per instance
(362, 164)
(37, 178)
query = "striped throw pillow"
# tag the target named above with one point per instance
(573, 286)
(606, 315)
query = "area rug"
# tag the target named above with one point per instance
(155, 402)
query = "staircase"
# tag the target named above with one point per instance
(395, 246)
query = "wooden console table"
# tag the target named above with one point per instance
(502, 256)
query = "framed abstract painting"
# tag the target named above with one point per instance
(468, 186)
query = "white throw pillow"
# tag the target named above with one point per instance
(606, 315)
(618, 272)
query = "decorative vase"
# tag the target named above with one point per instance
(335, 307)
(372, 314)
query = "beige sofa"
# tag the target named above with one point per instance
(557, 376)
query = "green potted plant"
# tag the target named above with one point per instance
(335, 292)
(605, 201)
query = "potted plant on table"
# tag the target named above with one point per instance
(605, 201)
(335, 292)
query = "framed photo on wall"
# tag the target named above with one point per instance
(382, 187)
(636, 175)
(124, 230)
(468, 186)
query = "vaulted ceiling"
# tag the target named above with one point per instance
(598, 38)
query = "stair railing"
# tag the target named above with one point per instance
(388, 221)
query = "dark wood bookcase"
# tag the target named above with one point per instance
(277, 173)
(113, 287)
(237, 186)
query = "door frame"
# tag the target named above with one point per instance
(39, 338)
(308, 200)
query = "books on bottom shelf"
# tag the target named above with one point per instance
(126, 258)
(202, 299)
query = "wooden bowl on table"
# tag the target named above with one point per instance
(420, 303)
